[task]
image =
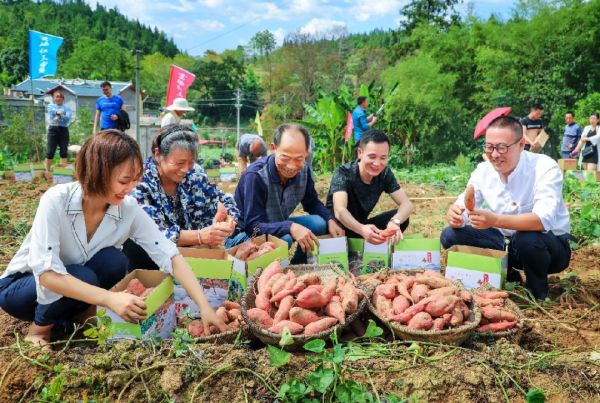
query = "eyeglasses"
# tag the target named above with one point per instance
(501, 148)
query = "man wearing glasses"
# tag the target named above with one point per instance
(518, 197)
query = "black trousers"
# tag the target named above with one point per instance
(380, 221)
(57, 136)
(538, 254)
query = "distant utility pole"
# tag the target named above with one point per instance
(137, 94)
(238, 106)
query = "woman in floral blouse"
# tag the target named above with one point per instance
(176, 193)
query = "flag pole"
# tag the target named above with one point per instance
(35, 143)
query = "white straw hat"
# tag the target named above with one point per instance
(179, 104)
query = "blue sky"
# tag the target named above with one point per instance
(199, 25)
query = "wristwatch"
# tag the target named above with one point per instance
(396, 221)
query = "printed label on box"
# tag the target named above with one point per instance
(375, 257)
(333, 250)
(417, 253)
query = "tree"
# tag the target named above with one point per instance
(440, 13)
(98, 60)
(263, 43)
(13, 65)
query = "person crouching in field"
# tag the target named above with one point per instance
(71, 256)
(356, 187)
(523, 195)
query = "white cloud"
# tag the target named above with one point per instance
(279, 35)
(209, 25)
(304, 6)
(319, 26)
(367, 9)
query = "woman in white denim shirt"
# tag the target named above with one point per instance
(71, 257)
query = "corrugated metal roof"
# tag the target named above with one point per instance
(81, 88)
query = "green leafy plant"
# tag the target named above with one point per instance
(181, 340)
(102, 330)
(583, 197)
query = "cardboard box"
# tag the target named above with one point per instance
(539, 142)
(417, 253)
(567, 164)
(251, 267)
(214, 270)
(160, 308)
(62, 175)
(475, 266)
(23, 172)
(355, 255)
(331, 250)
(375, 257)
(228, 174)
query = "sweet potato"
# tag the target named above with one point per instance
(457, 316)
(383, 305)
(433, 282)
(421, 321)
(387, 290)
(221, 214)
(441, 305)
(438, 324)
(497, 326)
(284, 309)
(310, 279)
(466, 296)
(279, 284)
(195, 328)
(495, 314)
(445, 291)
(388, 232)
(400, 304)
(147, 292)
(470, 198)
(329, 290)
(310, 298)
(268, 272)
(245, 250)
(432, 273)
(231, 305)
(403, 287)
(464, 309)
(317, 287)
(319, 326)
(294, 327)
(234, 314)
(493, 294)
(221, 313)
(261, 317)
(135, 287)
(335, 310)
(407, 315)
(262, 302)
(288, 289)
(488, 302)
(349, 299)
(303, 316)
(418, 292)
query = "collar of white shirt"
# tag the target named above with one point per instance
(75, 205)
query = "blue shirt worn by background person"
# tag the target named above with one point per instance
(571, 137)
(261, 184)
(107, 107)
(63, 119)
(360, 122)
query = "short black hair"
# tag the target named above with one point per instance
(105, 84)
(537, 105)
(291, 126)
(360, 100)
(508, 122)
(374, 136)
(570, 113)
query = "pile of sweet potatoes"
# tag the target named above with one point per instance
(249, 250)
(494, 315)
(425, 301)
(136, 288)
(230, 313)
(304, 304)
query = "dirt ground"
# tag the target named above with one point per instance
(558, 354)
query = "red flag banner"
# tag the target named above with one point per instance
(349, 126)
(179, 81)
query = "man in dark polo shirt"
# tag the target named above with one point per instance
(272, 187)
(533, 121)
(356, 187)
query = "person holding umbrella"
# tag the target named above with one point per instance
(522, 195)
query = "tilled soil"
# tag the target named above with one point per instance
(558, 354)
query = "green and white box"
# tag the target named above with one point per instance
(62, 175)
(228, 174)
(375, 257)
(417, 253)
(332, 250)
(23, 172)
(251, 267)
(355, 255)
(214, 270)
(476, 266)
(160, 308)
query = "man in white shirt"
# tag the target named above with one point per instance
(518, 197)
(175, 111)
